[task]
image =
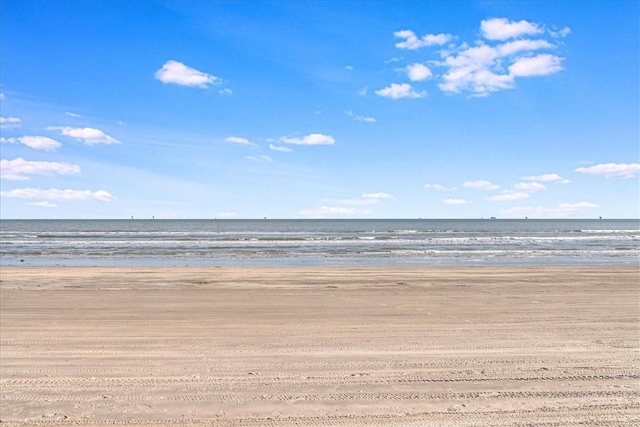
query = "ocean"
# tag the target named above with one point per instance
(357, 242)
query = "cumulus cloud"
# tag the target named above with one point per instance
(20, 169)
(561, 211)
(418, 72)
(621, 170)
(360, 118)
(508, 196)
(508, 51)
(311, 139)
(412, 41)
(36, 142)
(174, 72)
(88, 136)
(280, 148)
(549, 177)
(10, 122)
(400, 90)
(481, 184)
(238, 140)
(503, 29)
(539, 65)
(57, 194)
(438, 187)
(455, 201)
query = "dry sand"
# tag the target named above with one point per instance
(320, 346)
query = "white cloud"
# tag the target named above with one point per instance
(503, 29)
(225, 91)
(360, 118)
(238, 140)
(377, 196)
(622, 170)
(508, 196)
(57, 194)
(365, 199)
(539, 65)
(348, 67)
(311, 139)
(530, 186)
(88, 136)
(455, 201)
(75, 115)
(177, 73)
(549, 177)
(261, 158)
(19, 169)
(418, 72)
(325, 211)
(411, 40)
(44, 204)
(36, 142)
(438, 187)
(280, 148)
(10, 122)
(480, 184)
(486, 66)
(561, 211)
(400, 90)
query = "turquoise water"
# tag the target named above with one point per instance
(318, 242)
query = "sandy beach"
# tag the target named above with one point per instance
(278, 346)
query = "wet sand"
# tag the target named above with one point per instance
(274, 346)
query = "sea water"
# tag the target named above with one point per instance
(319, 242)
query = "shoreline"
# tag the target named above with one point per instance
(290, 346)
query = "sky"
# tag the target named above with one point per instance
(319, 109)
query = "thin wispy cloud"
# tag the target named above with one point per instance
(58, 194)
(20, 169)
(530, 186)
(10, 122)
(563, 210)
(612, 170)
(88, 136)
(359, 118)
(439, 187)
(549, 177)
(36, 142)
(311, 139)
(508, 196)
(455, 201)
(280, 148)
(238, 140)
(481, 184)
(261, 158)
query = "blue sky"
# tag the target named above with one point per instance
(332, 109)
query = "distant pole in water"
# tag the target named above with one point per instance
(131, 216)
